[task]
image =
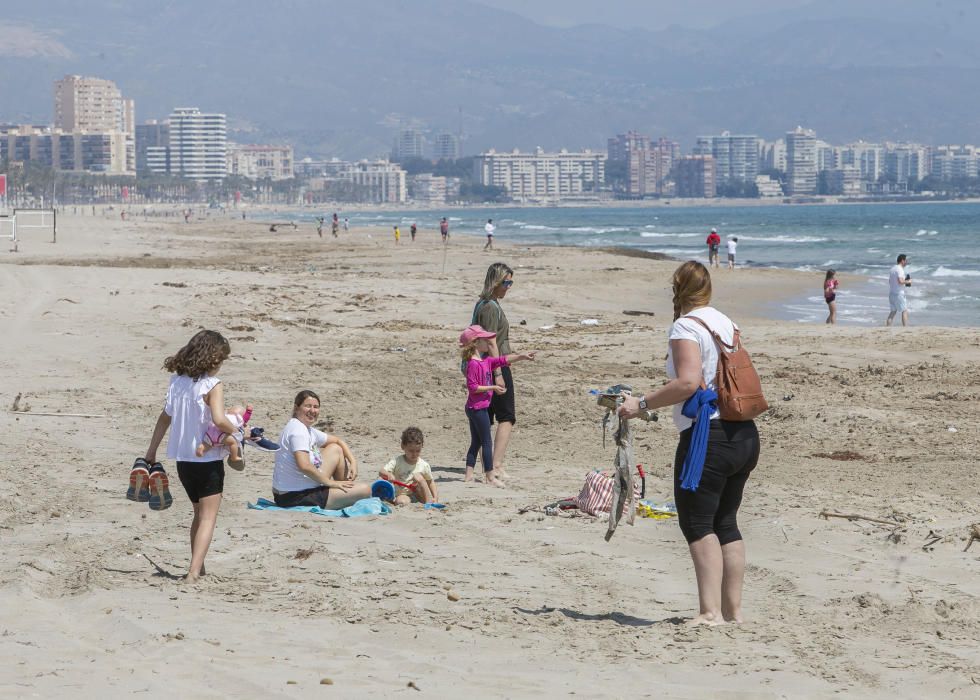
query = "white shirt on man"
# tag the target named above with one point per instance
(489, 228)
(896, 280)
(296, 437)
(731, 246)
(688, 329)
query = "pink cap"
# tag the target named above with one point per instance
(472, 333)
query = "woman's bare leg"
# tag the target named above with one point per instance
(500, 440)
(336, 468)
(733, 557)
(708, 568)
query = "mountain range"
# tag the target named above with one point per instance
(337, 78)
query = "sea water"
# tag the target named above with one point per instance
(942, 241)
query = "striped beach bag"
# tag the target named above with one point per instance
(596, 494)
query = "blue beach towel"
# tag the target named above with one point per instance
(699, 407)
(365, 506)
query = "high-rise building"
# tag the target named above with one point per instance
(955, 162)
(695, 176)
(904, 162)
(198, 144)
(105, 152)
(151, 134)
(736, 156)
(801, 162)
(647, 164)
(542, 177)
(91, 104)
(446, 147)
(378, 181)
(408, 144)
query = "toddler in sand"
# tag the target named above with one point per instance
(214, 436)
(411, 474)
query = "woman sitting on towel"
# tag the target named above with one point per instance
(707, 514)
(305, 476)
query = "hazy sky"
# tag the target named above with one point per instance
(650, 14)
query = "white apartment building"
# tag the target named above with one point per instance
(768, 188)
(540, 176)
(772, 155)
(94, 105)
(801, 162)
(427, 188)
(408, 144)
(378, 181)
(198, 144)
(105, 152)
(868, 158)
(736, 156)
(260, 162)
(955, 162)
(445, 147)
(906, 161)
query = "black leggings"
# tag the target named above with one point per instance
(480, 438)
(733, 452)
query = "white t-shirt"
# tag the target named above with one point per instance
(896, 280)
(296, 437)
(489, 228)
(731, 246)
(688, 329)
(190, 417)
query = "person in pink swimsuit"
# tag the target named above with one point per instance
(830, 285)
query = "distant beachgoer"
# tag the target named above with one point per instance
(303, 476)
(732, 244)
(489, 228)
(412, 473)
(444, 229)
(830, 285)
(413, 230)
(319, 225)
(897, 282)
(707, 515)
(398, 235)
(714, 243)
(474, 343)
(346, 224)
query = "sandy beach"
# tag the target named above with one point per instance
(869, 421)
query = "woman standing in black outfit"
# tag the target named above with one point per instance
(707, 515)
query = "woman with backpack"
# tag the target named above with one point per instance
(490, 315)
(725, 451)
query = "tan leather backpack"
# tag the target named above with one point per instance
(737, 383)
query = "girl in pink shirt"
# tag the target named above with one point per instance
(474, 343)
(830, 285)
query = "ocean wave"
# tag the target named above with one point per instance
(943, 271)
(924, 232)
(538, 227)
(651, 234)
(591, 229)
(784, 239)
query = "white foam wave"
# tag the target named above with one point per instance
(652, 234)
(784, 239)
(943, 271)
(924, 232)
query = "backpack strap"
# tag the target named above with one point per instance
(479, 305)
(735, 340)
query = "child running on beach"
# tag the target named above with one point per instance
(398, 235)
(195, 400)
(411, 474)
(830, 285)
(474, 343)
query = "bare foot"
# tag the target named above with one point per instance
(469, 474)
(709, 619)
(500, 473)
(192, 578)
(493, 481)
(735, 619)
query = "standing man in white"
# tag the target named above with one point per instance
(489, 228)
(897, 282)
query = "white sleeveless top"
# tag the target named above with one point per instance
(687, 329)
(190, 416)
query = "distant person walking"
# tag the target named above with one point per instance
(830, 285)
(335, 225)
(319, 226)
(346, 224)
(732, 245)
(714, 243)
(489, 228)
(444, 229)
(398, 235)
(413, 230)
(898, 280)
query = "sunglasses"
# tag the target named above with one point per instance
(507, 283)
